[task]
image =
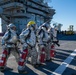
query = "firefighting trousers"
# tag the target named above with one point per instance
(41, 54)
(47, 50)
(32, 52)
(50, 51)
(5, 55)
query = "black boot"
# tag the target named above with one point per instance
(2, 69)
(49, 60)
(36, 65)
(22, 71)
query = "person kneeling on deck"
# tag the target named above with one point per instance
(9, 45)
(28, 40)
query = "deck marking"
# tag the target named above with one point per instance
(64, 64)
(10, 57)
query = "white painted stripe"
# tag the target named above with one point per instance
(10, 57)
(64, 64)
(38, 72)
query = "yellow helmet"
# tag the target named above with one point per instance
(31, 23)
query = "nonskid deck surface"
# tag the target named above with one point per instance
(64, 62)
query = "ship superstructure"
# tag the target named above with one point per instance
(20, 12)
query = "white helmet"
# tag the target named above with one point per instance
(10, 26)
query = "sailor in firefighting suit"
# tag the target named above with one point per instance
(28, 40)
(43, 39)
(9, 45)
(53, 34)
(48, 47)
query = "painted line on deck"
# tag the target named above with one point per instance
(10, 57)
(64, 64)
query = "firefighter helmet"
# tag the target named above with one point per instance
(11, 25)
(31, 23)
(46, 25)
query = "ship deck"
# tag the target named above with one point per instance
(64, 62)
